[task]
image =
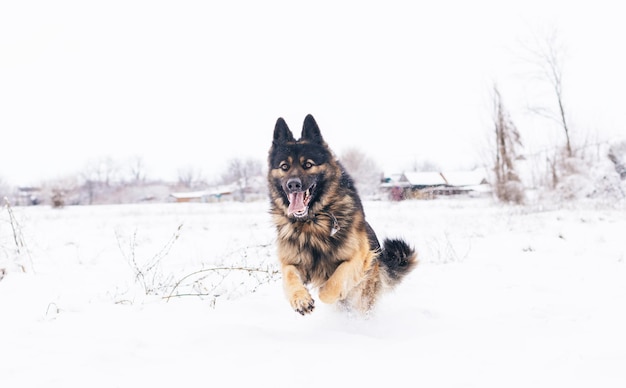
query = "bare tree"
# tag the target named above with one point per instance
(137, 170)
(548, 57)
(98, 177)
(189, 177)
(508, 185)
(239, 172)
(366, 174)
(103, 171)
(617, 155)
(424, 165)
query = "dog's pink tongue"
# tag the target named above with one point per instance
(296, 202)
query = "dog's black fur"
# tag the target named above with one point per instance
(323, 238)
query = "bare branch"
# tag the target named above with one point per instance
(18, 238)
(271, 273)
(547, 55)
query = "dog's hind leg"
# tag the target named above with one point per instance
(347, 276)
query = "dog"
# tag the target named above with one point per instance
(323, 240)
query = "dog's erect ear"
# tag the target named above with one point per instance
(282, 134)
(310, 131)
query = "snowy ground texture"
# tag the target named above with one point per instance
(503, 297)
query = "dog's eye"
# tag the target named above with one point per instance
(284, 166)
(308, 164)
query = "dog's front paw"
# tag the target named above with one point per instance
(302, 302)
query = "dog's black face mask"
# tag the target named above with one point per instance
(297, 167)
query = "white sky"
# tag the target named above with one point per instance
(195, 83)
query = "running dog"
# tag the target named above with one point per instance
(323, 239)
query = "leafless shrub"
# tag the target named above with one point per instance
(58, 199)
(209, 283)
(229, 280)
(148, 272)
(512, 191)
(216, 282)
(508, 186)
(588, 178)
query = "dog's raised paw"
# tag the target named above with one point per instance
(303, 304)
(307, 309)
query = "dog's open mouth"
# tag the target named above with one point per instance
(299, 202)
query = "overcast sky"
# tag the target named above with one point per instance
(194, 83)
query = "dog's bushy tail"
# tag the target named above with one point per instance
(397, 259)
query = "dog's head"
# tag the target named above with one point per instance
(298, 168)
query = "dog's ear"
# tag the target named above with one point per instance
(282, 134)
(310, 131)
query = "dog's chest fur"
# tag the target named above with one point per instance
(310, 247)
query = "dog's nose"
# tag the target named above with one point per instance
(294, 184)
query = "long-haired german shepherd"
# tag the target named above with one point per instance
(323, 238)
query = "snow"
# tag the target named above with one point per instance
(503, 296)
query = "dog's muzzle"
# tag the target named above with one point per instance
(298, 198)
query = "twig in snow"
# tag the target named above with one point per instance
(18, 237)
(268, 273)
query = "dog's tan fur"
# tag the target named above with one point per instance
(345, 264)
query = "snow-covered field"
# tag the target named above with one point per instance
(503, 297)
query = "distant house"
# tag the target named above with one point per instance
(203, 195)
(433, 184)
(249, 189)
(27, 196)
